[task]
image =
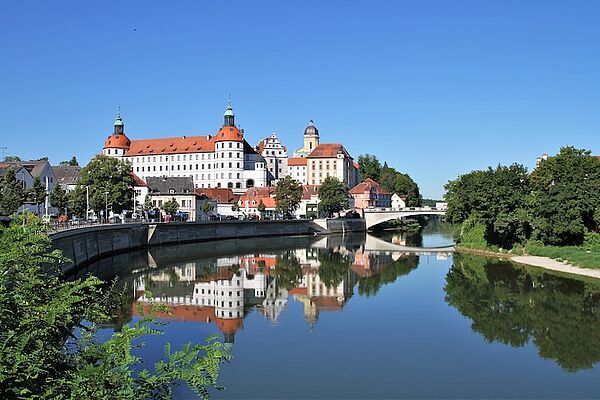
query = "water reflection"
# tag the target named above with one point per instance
(200, 286)
(515, 305)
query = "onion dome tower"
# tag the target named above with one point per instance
(229, 149)
(117, 143)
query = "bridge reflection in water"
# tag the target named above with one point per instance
(222, 282)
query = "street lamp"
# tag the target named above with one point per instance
(106, 204)
(87, 202)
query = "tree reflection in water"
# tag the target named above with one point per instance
(512, 304)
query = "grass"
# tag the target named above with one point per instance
(581, 256)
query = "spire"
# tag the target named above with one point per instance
(229, 116)
(118, 124)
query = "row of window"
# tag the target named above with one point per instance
(230, 145)
(160, 167)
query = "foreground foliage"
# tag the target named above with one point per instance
(40, 357)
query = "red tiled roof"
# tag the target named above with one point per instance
(257, 194)
(367, 186)
(298, 290)
(328, 151)
(309, 190)
(297, 162)
(117, 142)
(229, 133)
(137, 181)
(181, 144)
(221, 195)
(356, 166)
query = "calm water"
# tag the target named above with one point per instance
(338, 317)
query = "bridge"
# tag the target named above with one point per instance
(375, 216)
(373, 243)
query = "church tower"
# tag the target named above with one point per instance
(311, 136)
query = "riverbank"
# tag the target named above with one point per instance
(535, 261)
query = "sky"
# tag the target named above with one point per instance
(434, 88)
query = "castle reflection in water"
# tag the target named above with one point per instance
(321, 274)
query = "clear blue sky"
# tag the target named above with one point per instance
(435, 88)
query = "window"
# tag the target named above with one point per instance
(230, 164)
(229, 153)
(230, 144)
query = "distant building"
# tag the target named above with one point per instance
(225, 200)
(369, 194)
(297, 169)
(67, 176)
(541, 158)
(181, 189)
(309, 203)
(441, 205)
(225, 160)
(398, 202)
(250, 201)
(275, 155)
(330, 160)
(26, 172)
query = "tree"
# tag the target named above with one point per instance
(37, 195)
(564, 197)
(288, 194)
(369, 166)
(40, 357)
(110, 185)
(206, 207)
(333, 196)
(59, 198)
(12, 159)
(401, 184)
(70, 163)
(13, 194)
(170, 207)
(261, 208)
(496, 198)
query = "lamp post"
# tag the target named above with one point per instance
(87, 202)
(106, 204)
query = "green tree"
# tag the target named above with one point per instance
(261, 208)
(12, 159)
(12, 193)
(495, 197)
(288, 194)
(206, 207)
(401, 184)
(369, 166)
(110, 184)
(71, 163)
(41, 358)
(170, 207)
(37, 195)
(333, 196)
(59, 198)
(565, 197)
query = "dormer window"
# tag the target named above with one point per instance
(171, 191)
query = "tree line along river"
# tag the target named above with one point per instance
(327, 317)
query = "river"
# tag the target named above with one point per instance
(336, 317)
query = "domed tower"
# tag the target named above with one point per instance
(311, 141)
(229, 152)
(311, 136)
(117, 143)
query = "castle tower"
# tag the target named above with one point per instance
(229, 152)
(117, 143)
